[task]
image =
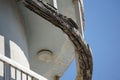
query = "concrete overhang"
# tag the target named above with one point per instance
(44, 38)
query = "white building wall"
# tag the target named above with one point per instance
(13, 42)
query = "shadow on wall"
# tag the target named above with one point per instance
(13, 42)
(12, 27)
(1, 78)
(15, 35)
(12, 50)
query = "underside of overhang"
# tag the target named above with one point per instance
(73, 38)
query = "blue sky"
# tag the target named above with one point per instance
(102, 32)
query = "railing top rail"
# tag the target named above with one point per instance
(20, 67)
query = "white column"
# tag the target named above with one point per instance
(54, 3)
(79, 16)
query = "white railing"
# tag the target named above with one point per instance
(11, 70)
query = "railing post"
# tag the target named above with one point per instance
(7, 71)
